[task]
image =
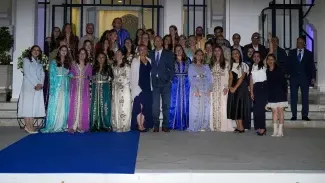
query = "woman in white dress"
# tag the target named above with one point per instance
(219, 94)
(31, 99)
(121, 94)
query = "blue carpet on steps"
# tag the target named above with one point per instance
(72, 153)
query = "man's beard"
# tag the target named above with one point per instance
(200, 34)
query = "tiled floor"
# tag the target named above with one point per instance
(300, 149)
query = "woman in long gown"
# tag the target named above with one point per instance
(57, 111)
(31, 98)
(100, 115)
(121, 99)
(179, 107)
(219, 94)
(141, 91)
(201, 82)
(238, 105)
(78, 120)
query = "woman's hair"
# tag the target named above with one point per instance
(176, 33)
(66, 61)
(54, 41)
(96, 67)
(103, 37)
(170, 45)
(29, 55)
(86, 59)
(196, 52)
(184, 57)
(136, 40)
(148, 43)
(92, 51)
(233, 60)
(260, 63)
(222, 60)
(209, 43)
(63, 33)
(124, 61)
(125, 51)
(273, 56)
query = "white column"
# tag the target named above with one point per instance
(25, 25)
(316, 18)
(173, 15)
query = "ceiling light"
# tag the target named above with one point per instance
(119, 1)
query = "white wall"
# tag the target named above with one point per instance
(242, 16)
(316, 18)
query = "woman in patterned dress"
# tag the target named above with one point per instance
(219, 94)
(57, 113)
(121, 98)
(179, 107)
(81, 71)
(100, 115)
(201, 82)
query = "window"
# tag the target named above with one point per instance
(194, 15)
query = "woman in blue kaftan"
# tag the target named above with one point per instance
(58, 106)
(179, 107)
(200, 90)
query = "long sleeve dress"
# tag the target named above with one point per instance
(31, 102)
(100, 116)
(218, 109)
(199, 113)
(78, 119)
(141, 88)
(58, 105)
(121, 99)
(179, 107)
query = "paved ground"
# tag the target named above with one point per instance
(300, 149)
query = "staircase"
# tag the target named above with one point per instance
(8, 113)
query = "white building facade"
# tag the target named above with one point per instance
(32, 20)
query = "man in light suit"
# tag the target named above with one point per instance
(302, 72)
(162, 73)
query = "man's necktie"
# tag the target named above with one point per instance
(299, 56)
(157, 58)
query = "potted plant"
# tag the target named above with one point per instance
(6, 43)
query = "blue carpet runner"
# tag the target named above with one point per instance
(72, 153)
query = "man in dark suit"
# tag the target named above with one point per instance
(236, 40)
(256, 39)
(280, 54)
(162, 73)
(302, 72)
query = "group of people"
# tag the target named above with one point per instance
(118, 84)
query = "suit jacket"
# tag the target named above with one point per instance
(307, 62)
(281, 57)
(163, 73)
(261, 49)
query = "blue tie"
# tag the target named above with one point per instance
(299, 56)
(157, 58)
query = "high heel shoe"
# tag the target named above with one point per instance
(261, 134)
(241, 131)
(236, 130)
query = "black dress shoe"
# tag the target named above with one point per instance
(305, 119)
(293, 118)
(156, 130)
(165, 129)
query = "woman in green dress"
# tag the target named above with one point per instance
(100, 117)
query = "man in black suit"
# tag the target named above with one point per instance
(280, 53)
(302, 72)
(162, 73)
(256, 39)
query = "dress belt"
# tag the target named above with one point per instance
(62, 75)
(181, 74)
(102, 81)
(79, 77)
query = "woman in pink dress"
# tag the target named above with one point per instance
(81, 71)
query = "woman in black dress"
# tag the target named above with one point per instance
(141, 91)
(278, 90)
(238, 105)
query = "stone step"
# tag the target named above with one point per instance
(269, 123)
